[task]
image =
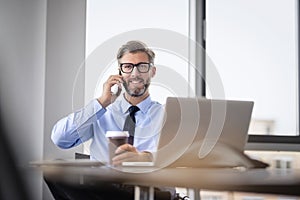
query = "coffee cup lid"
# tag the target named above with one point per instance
(117, 134)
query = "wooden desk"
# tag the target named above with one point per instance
(272, 181)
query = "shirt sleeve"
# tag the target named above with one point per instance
(77, 127)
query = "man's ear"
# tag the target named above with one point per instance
(153, 71)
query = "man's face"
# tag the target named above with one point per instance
(135, 83)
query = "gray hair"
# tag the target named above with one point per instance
(135, 46)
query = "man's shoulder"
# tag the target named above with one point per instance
(156, 107)
(156, 104)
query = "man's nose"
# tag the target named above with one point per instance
(135, 71)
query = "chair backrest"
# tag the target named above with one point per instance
(82, 156)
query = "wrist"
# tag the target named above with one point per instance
(147, 156)
(103, 102)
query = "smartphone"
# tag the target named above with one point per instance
(115, 88)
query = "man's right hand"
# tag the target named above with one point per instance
(128, 153)
(107, 96)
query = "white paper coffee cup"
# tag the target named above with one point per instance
(116, 139)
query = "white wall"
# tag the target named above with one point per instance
(65, 53)
(64, 82)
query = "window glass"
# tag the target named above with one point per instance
(253, 44)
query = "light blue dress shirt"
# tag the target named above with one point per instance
(92, 122)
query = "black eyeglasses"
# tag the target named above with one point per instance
(142, 67)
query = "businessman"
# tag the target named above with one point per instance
(110, 111)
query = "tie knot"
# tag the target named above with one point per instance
(133, 109)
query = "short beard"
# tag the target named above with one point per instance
(137, 92)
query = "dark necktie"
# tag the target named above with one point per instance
(130, 123)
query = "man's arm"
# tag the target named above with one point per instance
(77, 127)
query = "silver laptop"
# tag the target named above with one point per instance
(199, 132)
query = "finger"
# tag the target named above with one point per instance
(112, 82)
(122, 148)
(124, 157)
(115, 79)
(125, 147)
(109, 84)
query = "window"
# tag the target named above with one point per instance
(254, 46)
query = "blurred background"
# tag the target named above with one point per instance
(253, 45)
